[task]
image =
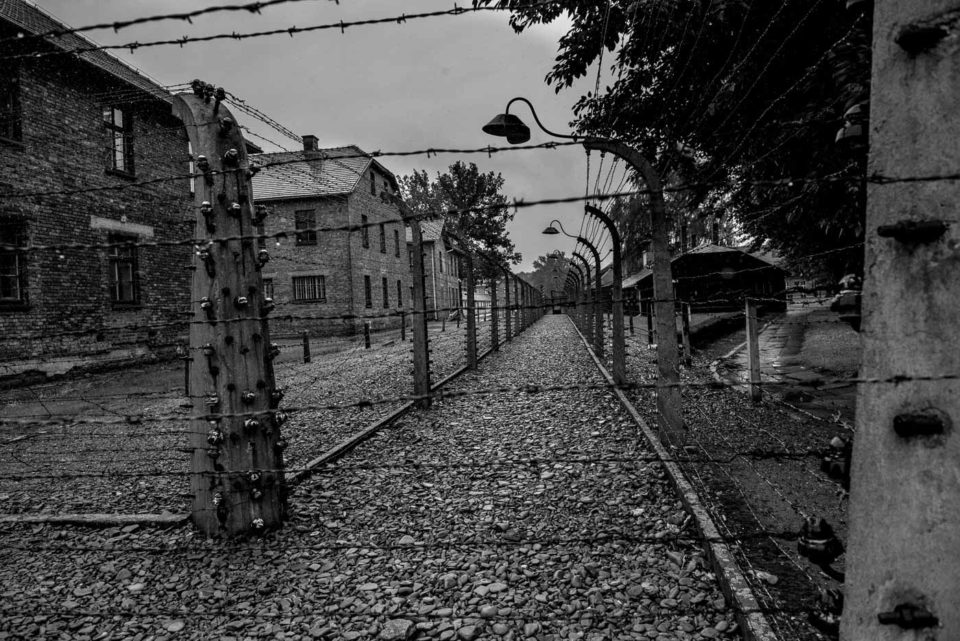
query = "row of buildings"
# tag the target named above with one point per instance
(88, 152)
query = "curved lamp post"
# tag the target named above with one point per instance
(516, 131)
(598, 315)
(585, 294)
(616, 297)
(596, 330)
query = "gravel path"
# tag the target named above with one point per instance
(504, 516)
(77, 466)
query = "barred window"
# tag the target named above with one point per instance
(124, 281)
(307, 288)
(119, 124)
(396, 243)
(383, 238)
(13, 278)
(367, 292)
(306, 220)
(386, 294)
(364, 231)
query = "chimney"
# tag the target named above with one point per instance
(309, 142)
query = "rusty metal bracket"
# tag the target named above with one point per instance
(909, 617)
(914, 231)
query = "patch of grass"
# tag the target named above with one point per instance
(831, 347)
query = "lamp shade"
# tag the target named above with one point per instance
(551, 231)
(510, 127)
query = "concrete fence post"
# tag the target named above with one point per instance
(903, 559)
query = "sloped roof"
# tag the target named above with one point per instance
(431, 230)
(310, 174)
(31, 19)
(643, 274)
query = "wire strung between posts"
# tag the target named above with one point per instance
(441, 394)
(117, 25)
(341, 25)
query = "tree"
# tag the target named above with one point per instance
(464, 187)
(730, 97)
(549, 273)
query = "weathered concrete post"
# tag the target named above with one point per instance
(421, 341)
(685, 333)
(753, 350)
(237, 478)
(903, 561)
(494, 317)
(507, 312)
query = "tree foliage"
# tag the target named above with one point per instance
(549, 272)
(464, 187)
(729, 96)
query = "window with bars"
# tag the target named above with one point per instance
(399, 293)
(305, 220)
(10, 112)
(396, 243)
(119, 124)
(364, 231)
(386, 293)
(383, 238)
(307, 289)
(367, 293)
(13, 277)
(124, 281)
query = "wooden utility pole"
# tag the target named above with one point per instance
(237, 477)
(903, 559)
(421, 341)
(753, 350)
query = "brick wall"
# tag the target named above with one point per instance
(343, 261)
(66, 146)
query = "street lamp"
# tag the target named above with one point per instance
(516, 131)
(597, 313)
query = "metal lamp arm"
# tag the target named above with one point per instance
(537, 119)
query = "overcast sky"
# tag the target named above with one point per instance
(426, 83)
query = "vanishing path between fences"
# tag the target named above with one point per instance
(510, 515)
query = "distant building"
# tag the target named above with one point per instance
(331, 282)
(441, 270)
(715, 278)
(91, 135)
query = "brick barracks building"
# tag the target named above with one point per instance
(313, 275)
(70, 124)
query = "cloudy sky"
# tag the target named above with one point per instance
(426, 83)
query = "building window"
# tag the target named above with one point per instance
(440, 259)
(386, 293)
(10, 115)
(119, 124)
(364, 231)
(396, 243)
(367, 293)
(307, 221)
(373, 184)
(383, 238)
(13, 280)
(124, 284)
(268, 288)
(306, 289)
(399, 294)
